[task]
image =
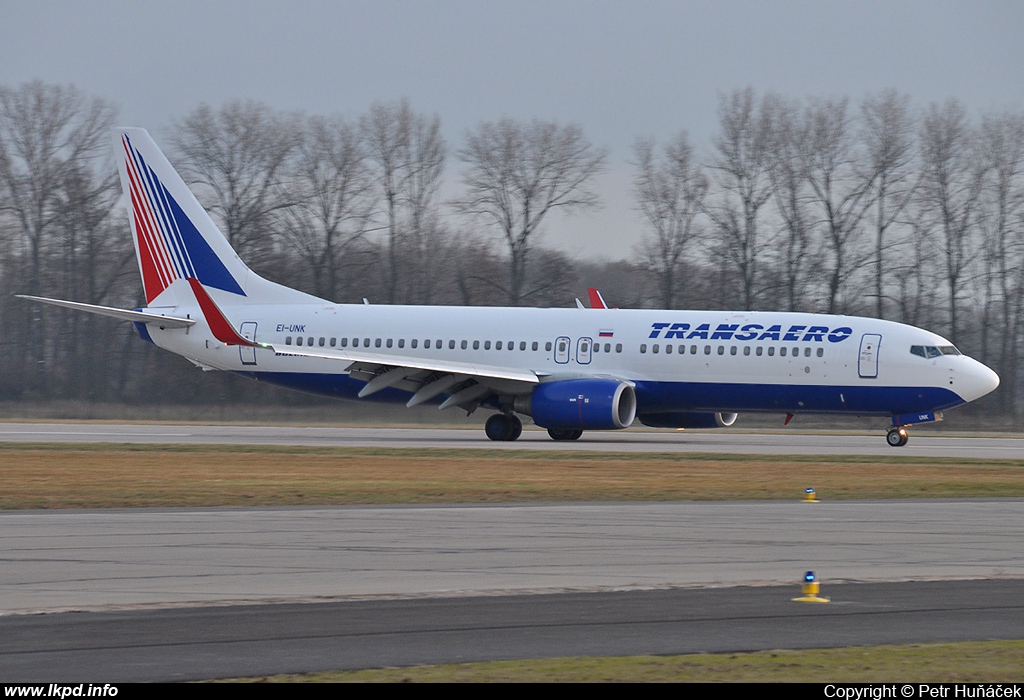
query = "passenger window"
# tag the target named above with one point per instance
(389, 342)
(547, 346)
(401, 342)
(451, 344)
(334, 342)
(476, 344)
(522, 345)
(707, 349)
(465, 344)
(426, 344)
(771, 351)
(807, 352)
(733, 350)
(721, 349)
(746, 350)
(511, 345)
(309, 341)
(643, 348)
(376, 343)
(366, 342)
(487, 345)
(655, 349)
(414, 343)
(821, 352)
(760, 351)
(497, 345)
(668, 349)
(344, 342)
(693, 349)
(288, 340)
(618, 347)
(535, 346)
(323, 341)
(782, 352)
(298, 341)
(682, 349)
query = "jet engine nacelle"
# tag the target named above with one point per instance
(580, 404)
(686, 419)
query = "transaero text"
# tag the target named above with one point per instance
(750, 331)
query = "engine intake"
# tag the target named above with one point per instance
(580, 404)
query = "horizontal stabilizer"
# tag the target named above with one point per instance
(122, 314)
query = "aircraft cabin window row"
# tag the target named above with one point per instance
(438, 344)
(733, 350)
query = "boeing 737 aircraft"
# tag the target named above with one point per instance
(570, 370)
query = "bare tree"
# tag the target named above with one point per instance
(408, 155)
(517, 174)
(332, 187)
(1002, 260)
(237, 157)
(669, 191)
(796, 253)
(950, 188)
(888, 135)
(841, 189)
(741, 162)
(50, 137)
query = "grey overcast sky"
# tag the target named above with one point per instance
(621, 70)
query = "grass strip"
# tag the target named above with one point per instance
(123, 476)
(961, 662)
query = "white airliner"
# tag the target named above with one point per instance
(570, 369)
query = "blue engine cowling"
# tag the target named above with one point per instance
(581, 404)
(683, 419)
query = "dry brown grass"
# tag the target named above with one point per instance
(116, 476)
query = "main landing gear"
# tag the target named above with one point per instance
(503, 427)
(559, 434)
(897, 436)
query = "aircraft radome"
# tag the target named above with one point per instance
(570, 370)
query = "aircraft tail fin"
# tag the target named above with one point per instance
(175, 239)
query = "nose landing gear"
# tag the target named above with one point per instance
(897, 436)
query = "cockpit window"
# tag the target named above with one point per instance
(930, 351)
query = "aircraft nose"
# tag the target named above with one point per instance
(979, 380)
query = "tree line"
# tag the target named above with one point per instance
(819, 204)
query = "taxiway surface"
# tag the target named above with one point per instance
(721, 442)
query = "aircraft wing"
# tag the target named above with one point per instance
(122, 314)
(466, 383)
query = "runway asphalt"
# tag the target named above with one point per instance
(726, 441)
(189, 594)
(176, 594)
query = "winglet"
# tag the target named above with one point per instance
(596, 300)
(219, 324)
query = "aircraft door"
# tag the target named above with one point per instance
(562, 345)
(583, 348)
(867, 365)
(246, 353)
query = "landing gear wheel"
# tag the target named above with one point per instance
(897, 437)
(566, 434)
(516, 428)
(503, 428)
